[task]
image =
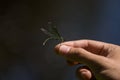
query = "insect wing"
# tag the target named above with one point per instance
(46, 32)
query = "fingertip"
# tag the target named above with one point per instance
(84, 74)
(62, 49)
(56, 49)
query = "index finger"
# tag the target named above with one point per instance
(89, 45)
(84, 43)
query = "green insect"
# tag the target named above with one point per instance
(52, 33)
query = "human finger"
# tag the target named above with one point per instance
(84, 73)
(93, 46)
(81, 55)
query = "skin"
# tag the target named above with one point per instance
(102, 59)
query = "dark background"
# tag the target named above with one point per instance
(22, 55)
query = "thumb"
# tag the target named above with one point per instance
(79, 55)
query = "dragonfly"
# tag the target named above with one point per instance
(52, 33)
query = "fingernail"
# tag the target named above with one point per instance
(64, 49)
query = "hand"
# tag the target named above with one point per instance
(102, 58)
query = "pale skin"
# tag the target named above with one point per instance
(102, 58)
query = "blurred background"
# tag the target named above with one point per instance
(22, 55)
